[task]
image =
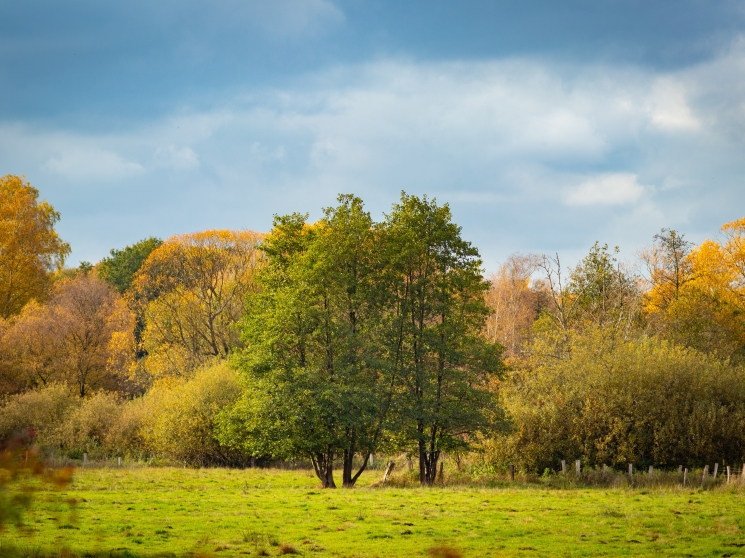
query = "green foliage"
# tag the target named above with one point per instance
(359, 329)
(317, 381)
(437, 311)
(613, 400)
(120, 268)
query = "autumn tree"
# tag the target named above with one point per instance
(696, 296)
(513, 302)
(29, 246)
(190, 293)
(82, 337)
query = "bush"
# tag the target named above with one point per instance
(614, 401)
(45, 410)
(88, 424)
(182, 422)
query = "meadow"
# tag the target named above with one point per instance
(148, 512)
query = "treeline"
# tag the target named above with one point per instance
(346, 337)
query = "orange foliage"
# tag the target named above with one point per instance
(29, 245)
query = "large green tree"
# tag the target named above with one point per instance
(360, 330)
(437, 306)
(318, 382)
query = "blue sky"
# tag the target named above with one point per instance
(546, 125)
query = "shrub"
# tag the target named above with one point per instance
(88, 424)
(45, 410)
(615, 401)
(182, 422)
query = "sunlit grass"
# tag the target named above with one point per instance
(258, 512)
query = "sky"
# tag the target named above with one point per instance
(546, 126)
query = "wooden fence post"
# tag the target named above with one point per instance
(631, 471)
(119, 461)
(716, 468)
(577, 467)
(685, 475)
(743, 472)
(605, 469)
(512, 472)
(85, 459)
(442, 472)
(651, 471)
(388, 470)
(563, 467)
(680, 468)
(706, 472)
(728, 471)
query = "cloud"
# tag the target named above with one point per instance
(669, 108)
(91, 164)
(521, 148)
(606, 189)
(177, 158)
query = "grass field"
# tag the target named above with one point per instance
(218, 512)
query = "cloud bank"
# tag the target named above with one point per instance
(531, 155)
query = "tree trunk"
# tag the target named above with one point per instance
(323, 465)
(349, 479)
(428, 458)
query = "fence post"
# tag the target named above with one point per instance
(564, 467)
(651, 471)
(743, 471)
(706, 472)
(512, 472)
(685, 475)
(680, 468)
(388, 470)
(728, 471)
(85, 459)
(631, 471)
(119, 461)
(577, 467)
(370, 460)
(605, 468)
(716, 468)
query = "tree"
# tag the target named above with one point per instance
(696, 297)
(668, 268)
(598, 292)
(29, 246)
(513, 302)
(120, 267)
(364, 332)
(82, 337)
(318, 383)
(190, 292)
(437, 308)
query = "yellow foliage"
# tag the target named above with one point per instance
(708, 310)
(181, 423)
(29, 245)
(190, 292)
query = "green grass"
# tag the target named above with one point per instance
(218, 512)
